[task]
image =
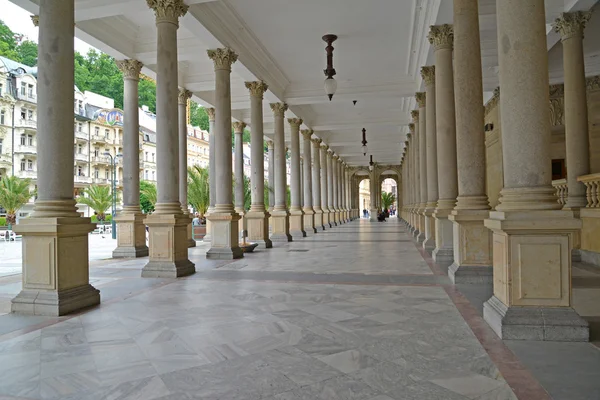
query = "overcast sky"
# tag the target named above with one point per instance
(19, 21)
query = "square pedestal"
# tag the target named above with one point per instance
(225, 236)
(472, 247)
(280, 226)
(429, 242)
(297, 224)
(309, 222)
(131, 236)
(328, 219)
(532, 276)
(443, 253)
(421, 235)
(168, 247)
(258, 228)
(373, 215)
(55, 266)
(191, 241)
(319, 221)
(208, 237)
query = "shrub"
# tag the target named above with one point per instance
(2, 221)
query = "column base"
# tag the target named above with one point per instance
(328, 219)
(297, 224)
(55, 266)
(472, 247)
(208, 237)
(429, 242)
(131, 236)
(280, 226)
(319, 220)
(444, 239)
(535, 323)
(225, 241)
(258, 228)
(168, 246)
(309, 221)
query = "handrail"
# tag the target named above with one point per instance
(592, 186)
(562, 190)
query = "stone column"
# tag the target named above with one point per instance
(212, 189)
(168, 237)
(55, 238)
(184, 96)
(473, 241)
(280, 215)
(224, 219)
(428, 74)
(307, 185)
(345, 192)
(571, 27)
(421, 100)
(410, 171)
(416, 174)
(336, 187)
(131, 232)
(373, 182)
(332, 221)
(327, 218)
(239, 198)
(258, 218)
(316, 185)
(271, 149)
(296, 213)
(533, 238)
(442, 38)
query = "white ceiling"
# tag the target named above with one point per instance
(382, 45)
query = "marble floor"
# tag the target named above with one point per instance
(353, 313)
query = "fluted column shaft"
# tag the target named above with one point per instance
(257, 160)
(421, 100)
(571, 27)
(307, 184)
(325, 186)
(271, 152)
(295, 163)
(428, 74)
(316, 184)
(238, 129)
(212, 170)
(184, 95)
(280, 216)
(330, 187)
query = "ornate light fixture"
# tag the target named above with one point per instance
(364, 142)
(371, 163)
(330, 83)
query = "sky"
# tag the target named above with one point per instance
(19, 21)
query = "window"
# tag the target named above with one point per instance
(146, 156)
(79, 149)
(1, 88)
(1, 142)
(30, 140)
(23, 88)
(30, 115)
(106, 174)
(97, 131)
(23, 140)
(2, 116)
(23, 165)
(23, 113)
(153, 175)
(107, 133)
(79, 126)
(30, 91)
(80, 171)
(30, 165)
(96, 173)
(146, 174)
(96, 152)
(152, 157)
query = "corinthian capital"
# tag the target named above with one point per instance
(324, 147)
(130, 68)
(270, 145)
(184, 96)
(307, 133)
(279, 109)
(441, 36)
(168, 10)
(36, 20)
(571, 24)
(316, 142)
(428, 74)
(223, 58)
(335, 156)
(295, 122)
(420, 96)
(415, 115)
(211, 114)
(238, 126)
(257, 88)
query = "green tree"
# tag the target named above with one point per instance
(147, 196)
(98, 198)
(198, 188)
(387, 199)
(267, 191)
(8, 43)
(14, 194)
(247, 193)
(198, 116)
(28, 53)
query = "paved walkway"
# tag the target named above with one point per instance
(355, 312)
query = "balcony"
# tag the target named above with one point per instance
(25, 149)
(27, 123)
(30, 97)
(5, 159)
(100, 160)
(31, 174)
(100, 181)
(81, 135)
(83, 179)
(81, 157)
(100, 139)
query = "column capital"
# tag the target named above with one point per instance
(571, 24)
(238, 126)
(168, 10)
(295, 122)
(325, 147)
(222, 57)
(257, 88)
(420, 97)
(334, 156)
(428, 74)
(36, 20)
(441, 36)
(130, 68)
(415, 116)
(211, 114)
(279, 109)
(411, 126)
(270, 144)
(307, 133)
(184, 96)
(316, 141)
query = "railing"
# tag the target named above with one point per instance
(30, 123)
(83, 179)
(26, 174)
(592, 185)
(81, 135)
(101, 181)
(562, 190)
(81, 157)
(23, 148)
(100, 159)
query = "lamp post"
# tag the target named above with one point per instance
(113, 162)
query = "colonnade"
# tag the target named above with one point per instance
(523, 247)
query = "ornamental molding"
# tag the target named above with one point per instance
(493, 102)
(238, 126)
(257, 88)
(168, 10)
(571, 24)
(421, 99)
(317, 142)
(428, 75)
(557, 104)
(335, 157)
(184, 96)
(36, 20)
(415, 116)
(222, 57)
(307, 133)
(325, 147)
(130, 68)
(593, 83)
(441, 36)
(211, 114)
(557, 90)
(295, 122)
(279, 109)
(270, 145)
